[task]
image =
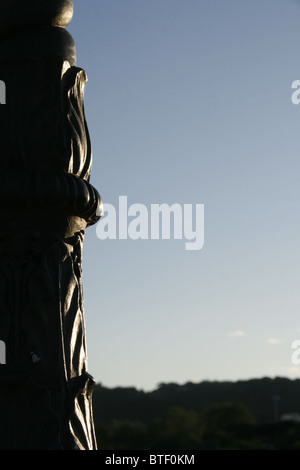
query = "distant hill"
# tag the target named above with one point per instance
(256, 394)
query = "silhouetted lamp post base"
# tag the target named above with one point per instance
(46, 204)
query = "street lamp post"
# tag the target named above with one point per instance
(47, 202)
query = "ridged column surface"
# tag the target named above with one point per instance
(46, 203)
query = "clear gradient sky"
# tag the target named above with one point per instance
(189, 102)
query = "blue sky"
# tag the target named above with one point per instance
(189, 102)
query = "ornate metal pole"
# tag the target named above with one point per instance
(46, 204)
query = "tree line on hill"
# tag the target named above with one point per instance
(242, 415)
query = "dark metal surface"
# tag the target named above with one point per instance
(46, 204)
